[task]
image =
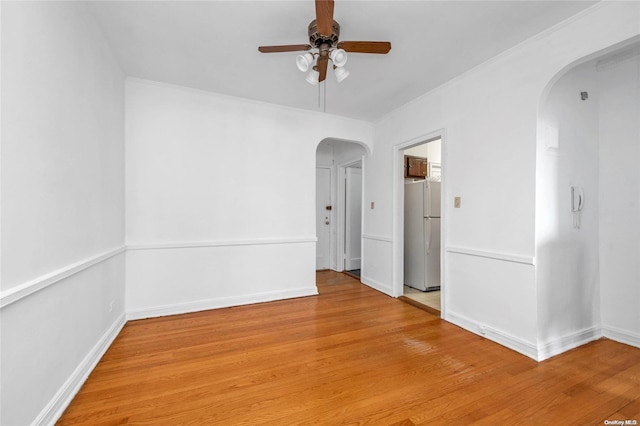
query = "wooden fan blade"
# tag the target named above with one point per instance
(284, 48)
(324, 16)
(323, 61)
(381, 47)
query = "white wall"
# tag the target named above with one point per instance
(487, 115)
(324, 155)
(619, 133)
(220, 201)
(346, 153)
(62, 287)
(566, 256)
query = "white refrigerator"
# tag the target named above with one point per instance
(422, 235)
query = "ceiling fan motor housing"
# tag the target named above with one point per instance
(317, 40)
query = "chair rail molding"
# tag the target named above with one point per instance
(374, 237)
(23, 290)
(507, 257)
(219, 243)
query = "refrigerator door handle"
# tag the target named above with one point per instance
(427, 198)
(427, 237)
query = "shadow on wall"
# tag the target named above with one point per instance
(571, 302)
(567, 253)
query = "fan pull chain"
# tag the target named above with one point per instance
(324, 97)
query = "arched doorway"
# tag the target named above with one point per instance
(339, 187)
(588, 202)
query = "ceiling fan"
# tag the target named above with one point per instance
(324, 46)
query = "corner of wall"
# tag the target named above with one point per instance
(65, 394)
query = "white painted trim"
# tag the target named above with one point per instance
(220, 243)
(23, 290)
(621, 336)
(376, 285)
(61, 400)
(362, 209)
(332, 222)
(340, 220)
(382, 238)
(341, 209)
(397, 248)
(568, 342)
(498, 336)
(526, 260)
(220, 302)
(28, 288)
(350, 262)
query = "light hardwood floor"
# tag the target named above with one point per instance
(427, 298)
(348, 356)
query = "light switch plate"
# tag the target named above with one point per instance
(373, 205)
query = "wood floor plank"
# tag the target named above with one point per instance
(350, 355)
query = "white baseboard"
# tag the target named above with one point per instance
(377, 285)
(498, 336)
(219, 302)
(61, 400)
(568, 342)
(622, 336)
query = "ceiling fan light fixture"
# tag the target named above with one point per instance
(325, 45)
(339, 57)
(304, 61)
(341, 74)
(313, 77)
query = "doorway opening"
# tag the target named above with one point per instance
(421, 216)
(352, 232)
(339, 185)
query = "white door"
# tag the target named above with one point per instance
(323, 218)
(353, 226)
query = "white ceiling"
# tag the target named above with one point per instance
(213, 45)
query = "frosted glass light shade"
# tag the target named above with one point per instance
(304, 61)
(339, 57)
(313, 77)
(341, 74)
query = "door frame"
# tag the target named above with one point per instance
(331, 215)
(398, 214)
(341, 225)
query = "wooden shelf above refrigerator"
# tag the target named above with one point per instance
(415, 166)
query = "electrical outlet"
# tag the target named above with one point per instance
(456, 202)
(113, 302)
